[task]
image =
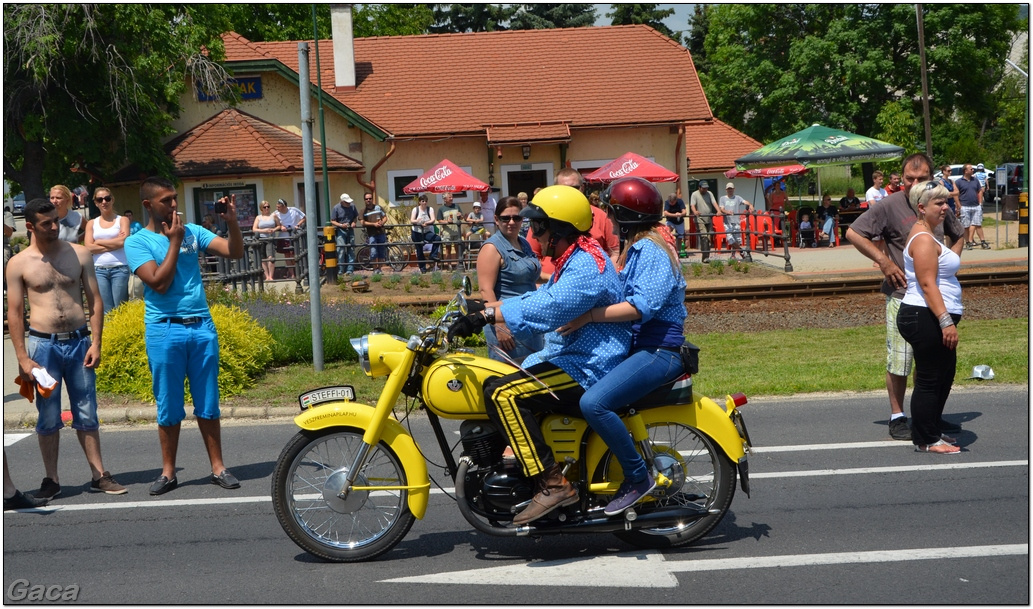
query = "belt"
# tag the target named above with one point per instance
(82, 332)
(186, 321)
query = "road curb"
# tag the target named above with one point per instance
(142, 415)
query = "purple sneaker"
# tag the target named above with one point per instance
(629, 494)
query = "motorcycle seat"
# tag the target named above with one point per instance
(678, 391)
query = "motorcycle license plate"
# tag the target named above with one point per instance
(322, 395)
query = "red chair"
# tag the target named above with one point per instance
(719, 232)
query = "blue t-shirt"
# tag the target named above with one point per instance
(968, 190)
(135, 227)
(589, 352)
(185, 296)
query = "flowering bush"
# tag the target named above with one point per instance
(245, 350)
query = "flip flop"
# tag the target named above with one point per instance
(954, 450)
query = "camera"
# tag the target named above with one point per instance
(220, 206)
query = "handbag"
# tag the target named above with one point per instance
(690, 357)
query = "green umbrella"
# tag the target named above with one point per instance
(818, 146)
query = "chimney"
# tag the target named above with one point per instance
(344, 45)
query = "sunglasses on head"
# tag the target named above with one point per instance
(100, 199)
(509, 219)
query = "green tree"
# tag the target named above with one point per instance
(699, 25)
(643, 14)
(460, 18)
(549, 16)
(97, 86)
(278, 22)
(391, 19)
(774, 69)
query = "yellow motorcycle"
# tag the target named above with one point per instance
(350, 484)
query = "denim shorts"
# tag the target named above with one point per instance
(63, 359)
(178, 352)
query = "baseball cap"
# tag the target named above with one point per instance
(346, 197)
(704, 184)
(476, 204)
(982, 371)
(979, 166)
(729, 185)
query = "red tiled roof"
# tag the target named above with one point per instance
(715, 145)
(458, 83)
(234, 142)
(527, 133)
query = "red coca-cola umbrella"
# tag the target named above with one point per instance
(632, 165)
(445, 177)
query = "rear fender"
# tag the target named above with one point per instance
(359, 416)
(704, 414)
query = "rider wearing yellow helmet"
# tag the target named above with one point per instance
(585, 278)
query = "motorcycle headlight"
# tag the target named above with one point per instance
(361, 346)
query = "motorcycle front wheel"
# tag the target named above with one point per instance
(309, 475)
(705, 479)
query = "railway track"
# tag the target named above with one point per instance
(840, 286)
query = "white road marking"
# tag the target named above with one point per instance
(652, 570)
(11, 438)
(843, 445)
(450, 490)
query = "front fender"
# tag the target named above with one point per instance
(358, 416)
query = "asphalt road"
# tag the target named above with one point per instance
(838, 514)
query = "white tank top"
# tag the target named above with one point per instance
(115, 258)
(948, 264)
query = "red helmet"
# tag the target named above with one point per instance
(635, 201)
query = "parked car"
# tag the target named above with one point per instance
(956, 172)
(18, 204)
(1014, 174)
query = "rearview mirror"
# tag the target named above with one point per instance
(467, 285)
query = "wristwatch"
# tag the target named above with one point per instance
(489, 315)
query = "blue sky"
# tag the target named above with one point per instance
(678, 22)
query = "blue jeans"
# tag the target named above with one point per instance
(63, 359)
(114, 285)
(377, 251)
(176, 352)
(345, 249)
(642, 373)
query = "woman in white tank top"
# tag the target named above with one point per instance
(928, 317)
(105, 236)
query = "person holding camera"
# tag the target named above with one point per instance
(180, 335)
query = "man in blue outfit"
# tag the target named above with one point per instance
(180, 334)
(344, 216)
(585, 278)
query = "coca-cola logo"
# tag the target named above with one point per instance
(439, 174)
(626, 167)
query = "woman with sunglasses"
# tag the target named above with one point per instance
(654, 300)
(266, 225)
(105, 236)
(928, 317)
(507, 267)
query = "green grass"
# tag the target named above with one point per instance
(772, 363)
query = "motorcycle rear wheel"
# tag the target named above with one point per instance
(709, 485)
(309, 474)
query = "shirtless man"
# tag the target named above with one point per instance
(54, 273)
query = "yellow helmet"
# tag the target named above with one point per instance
(561, 205)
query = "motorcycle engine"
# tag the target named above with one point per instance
(493, 487)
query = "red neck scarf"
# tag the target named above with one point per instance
(586, 244)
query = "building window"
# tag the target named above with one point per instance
(246, 198)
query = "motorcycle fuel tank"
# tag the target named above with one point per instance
(453, 386)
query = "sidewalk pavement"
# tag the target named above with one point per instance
(812, 264)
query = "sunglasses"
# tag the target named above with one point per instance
(265, 207)
(509, 219)
(99, 199)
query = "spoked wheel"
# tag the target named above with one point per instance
(397, 258)
(703, 480)
(362, 262)
(310, 474)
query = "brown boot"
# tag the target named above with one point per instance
(555, 492)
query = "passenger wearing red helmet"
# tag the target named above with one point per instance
(654, 295)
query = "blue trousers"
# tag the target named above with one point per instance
(113, 282)
(640, 374)
(345, 242)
